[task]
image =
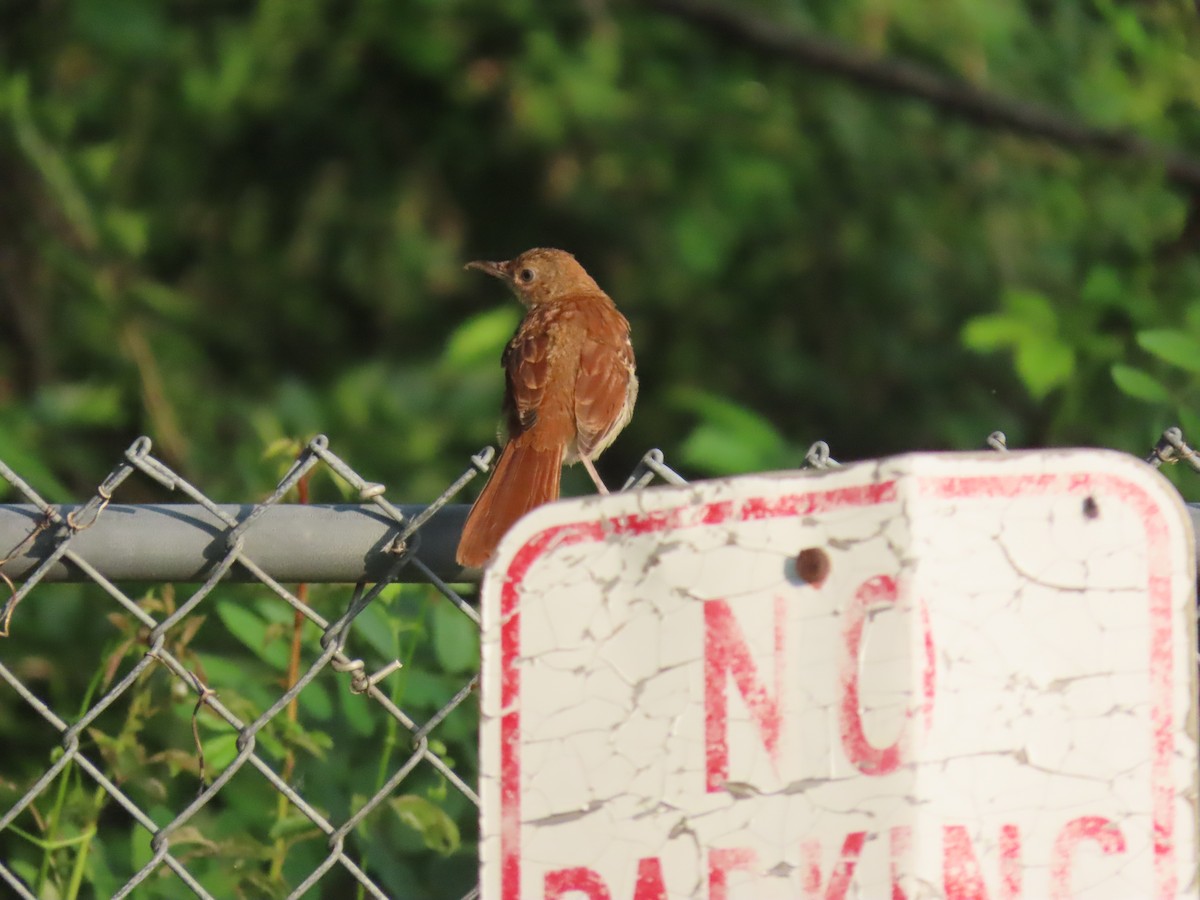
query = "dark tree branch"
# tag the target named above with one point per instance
(983, 108)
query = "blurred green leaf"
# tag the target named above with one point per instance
(219, 751)
(1044, 364)
(80, 404)
(1103, 286)
(729, 438)
(1139, 384)
(29, 465)
(128, 230)
(481, 339)
(1032, 308)
(316, 701)
(25, 870)
(1176, 347)
(1189, 421)
(251, 631)
(1029, 325)
(428, 689)
(358, 712)
(139, 846)
(291, 825)
(131, 27)
(455, 638)
(50, 163)
(437, 830)
(315, 743)
(994, 332)
(701, 239)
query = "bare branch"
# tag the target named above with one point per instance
(983, 108)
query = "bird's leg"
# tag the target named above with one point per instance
(591, 470)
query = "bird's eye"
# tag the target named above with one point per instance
(525, 276)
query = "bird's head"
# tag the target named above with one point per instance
(541, 275)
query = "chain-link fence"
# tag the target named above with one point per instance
(236, 741)
(171, 745)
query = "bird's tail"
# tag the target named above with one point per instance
(524, 477)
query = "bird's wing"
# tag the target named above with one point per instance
(526, 362)
(604, 393)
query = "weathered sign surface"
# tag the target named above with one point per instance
(961, 675)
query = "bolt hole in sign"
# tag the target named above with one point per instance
(963, 676)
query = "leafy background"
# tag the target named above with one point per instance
(231, 225)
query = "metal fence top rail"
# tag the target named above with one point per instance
(184, 543)
(342, 543)
(292, 543)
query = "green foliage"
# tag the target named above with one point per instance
(1029, 326)
(233, 226)
(1139, 384)
(455, 639)
(1174, 347)
(730, 439)
(429, 820)
(246, 841)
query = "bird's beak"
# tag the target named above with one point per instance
(495, 269)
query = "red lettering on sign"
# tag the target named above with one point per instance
(725, 652)
(1075, 832)
(1155, 523)
(649, 884)
(1161, 640)
(867, 758)
(841, 873)
(721, 862)
(1010, 862)
(962, 878)
(929, 676)
(577, 880)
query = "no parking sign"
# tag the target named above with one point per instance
(966, 675)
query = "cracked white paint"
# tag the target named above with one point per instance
(992, 694)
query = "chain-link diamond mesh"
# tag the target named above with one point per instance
(148, 782)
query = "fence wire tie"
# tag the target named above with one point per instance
(86, 515)
(998, 441)
(360, 682)
(482, 461)
(818, 457)
(404, 547)
(642, 473)
(479, 463)
(400, 544)
(371, 489)
(12, 590)
(205, 693)
(308, 458)
(94, 507)
(139, 455)
(46, 521)
(1172, 448)
(312, 450)
(10, 605)
(650, 466)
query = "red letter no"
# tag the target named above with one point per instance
(868, 759)
(726, 654)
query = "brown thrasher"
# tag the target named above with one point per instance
(569, 390)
